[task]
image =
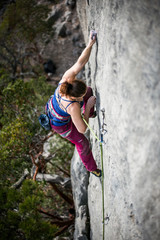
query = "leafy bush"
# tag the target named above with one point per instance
(20, 218)
(21, 105)
(22, 30)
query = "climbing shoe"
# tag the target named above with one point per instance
(97, 173)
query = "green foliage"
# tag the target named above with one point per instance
(21, 105)
(15, 99)
(4, 80)
(25, 18)
(14, 145)
(43, 90)
(19, 217)
(22, 99)
(23, 27)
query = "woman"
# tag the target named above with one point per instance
(64, 109)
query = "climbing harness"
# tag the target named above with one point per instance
(101, 141)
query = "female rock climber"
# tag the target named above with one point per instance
(64, 109)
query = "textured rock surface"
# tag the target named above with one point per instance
(62, 49)
(79, 177)
(124, 70)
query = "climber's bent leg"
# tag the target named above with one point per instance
(86, 97)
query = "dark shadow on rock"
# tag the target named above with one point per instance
(49, 66)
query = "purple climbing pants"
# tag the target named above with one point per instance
(70, 132)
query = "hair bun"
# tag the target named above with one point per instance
(66, 88)
(76, 88)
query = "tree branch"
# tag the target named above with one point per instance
(63, 223)
(55, 179)
(20, 181)
(35, 174)
(61, 194)
(41, 210)
(63, 229)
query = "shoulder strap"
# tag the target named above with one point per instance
(70, 104)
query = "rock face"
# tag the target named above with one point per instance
(67, 42)
(80, 196)
(124, 72)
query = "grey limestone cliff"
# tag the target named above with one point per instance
(124, 72)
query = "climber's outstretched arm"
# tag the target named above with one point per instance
(71, 73)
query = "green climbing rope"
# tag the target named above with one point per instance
(101, 149)
(90, 129)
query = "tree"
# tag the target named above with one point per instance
(26, 206)
(20, 217)
(23, 27)
(21, 145)
(21, 104)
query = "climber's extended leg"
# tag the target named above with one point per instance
(83, 148)
(70, 132)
